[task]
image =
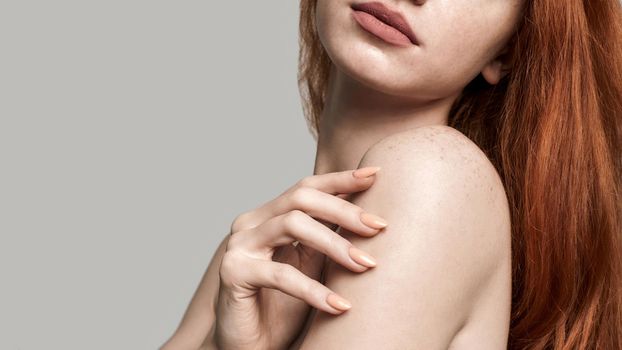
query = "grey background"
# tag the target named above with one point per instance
(131, 135)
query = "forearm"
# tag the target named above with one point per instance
(209, 343)
(197, 323)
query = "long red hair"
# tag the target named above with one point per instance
(553, 129)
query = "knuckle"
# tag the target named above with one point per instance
(228, 265)
(310, 289)
(234, 241)
(305, 181)
(346, 207)
(282, 274)
(292, 219)
(240, 222)
(335, 240)
(300, 196)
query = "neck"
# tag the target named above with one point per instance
(355, 117)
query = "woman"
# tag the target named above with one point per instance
(488, 134)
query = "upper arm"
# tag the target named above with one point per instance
(448, 222)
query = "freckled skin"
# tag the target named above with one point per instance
(477, 186)
(378, 92)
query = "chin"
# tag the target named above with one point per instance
(378, 75)
(379, 68)
(380, 82)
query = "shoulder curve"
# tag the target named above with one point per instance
(436, 258)
(436, 138)
(439, 148)
(438, 255)
(441, 164)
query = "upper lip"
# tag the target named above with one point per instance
(388, 16)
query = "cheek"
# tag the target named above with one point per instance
(471, 35)
(456, 56)
(457, 53)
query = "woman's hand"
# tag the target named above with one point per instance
(267, 282)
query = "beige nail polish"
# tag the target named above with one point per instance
(365, 172)
(373, 221)
(361, 257)
(338, 302)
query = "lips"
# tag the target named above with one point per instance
(389, 17)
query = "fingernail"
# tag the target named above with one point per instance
(338, 302)
(365, 172)
(361, 257)
(373, 221)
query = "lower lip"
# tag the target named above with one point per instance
(380, 29)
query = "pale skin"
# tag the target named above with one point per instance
(442, 278)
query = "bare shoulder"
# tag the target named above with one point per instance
(443, 153)
(445, 251)
(437, 167)
(439, 162)
(450, 164)
(438, 145)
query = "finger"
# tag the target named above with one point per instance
(288, 279)
(335, 210)
(328, 209)
(343, 183)
(298, 226)
(348, 181)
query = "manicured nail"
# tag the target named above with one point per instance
(365, 172)
(373, 221)
(338, 302)
(362, 258)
